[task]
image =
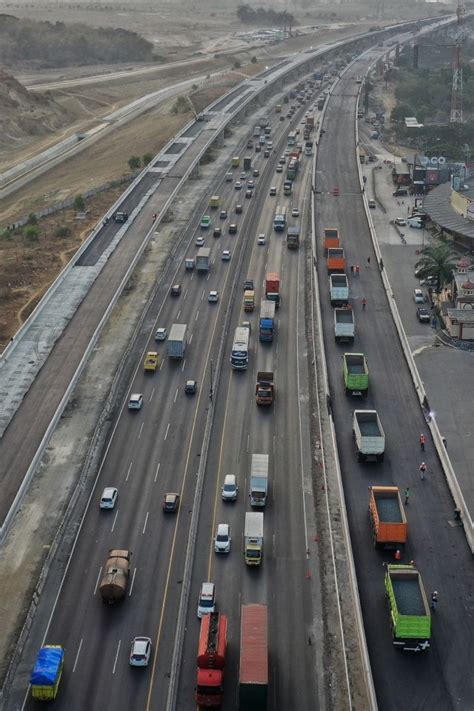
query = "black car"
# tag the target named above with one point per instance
(248, 285)
(175, 290)
(232, 228)
(217, 232)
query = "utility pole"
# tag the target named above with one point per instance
(456, 92)
(211, 389)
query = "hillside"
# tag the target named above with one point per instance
(24, 113)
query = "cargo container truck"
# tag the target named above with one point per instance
(355, 373)
(287, 187)
(202, 259)
(389, 523)
(267, 325)
(211, 660)
(259, 480)
(410, 616)
(247, 163)
(176, 343)
(293, 237)
(253, 538)
(344, 326)
(279, 221)
(369, 435)
(253, 667)
(272, 288)
(47, 672)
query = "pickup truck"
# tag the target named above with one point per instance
(389, 523)
(369, 435)
(338, 289)
(355, 373)
(344, 328)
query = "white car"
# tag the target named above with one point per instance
(200, 242)
(226, 255)
(400, 221)
(418, 296)
(238, 185)
(243, 176)
(230, 488)
(160, 334)
(213, 296)
(222, 539)
(261, 239)
(140, 652)
(109, 497)
(136, 401)
(279, 169)
(206, 600)
(295, 212)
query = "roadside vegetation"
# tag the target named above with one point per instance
(264, 17)
(437, 262)
(46, 44)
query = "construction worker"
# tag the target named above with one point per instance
(434, 599)
(364, 303)
(357, 270)
(422, 442)
(154, 217)
(406, 494)
(368, 261)
(422, 470)
(397, 554)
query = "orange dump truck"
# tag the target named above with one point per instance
(336, 260)
(331, 239)
(389, 523)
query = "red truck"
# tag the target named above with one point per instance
(310, 121)
(272, 287)
(211, 660)
(336, 260)
(253, 672)
(331, 239)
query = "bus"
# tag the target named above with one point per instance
(292, 138)
(279, 222)
(239, 357)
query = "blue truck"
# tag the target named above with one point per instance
(267, 326)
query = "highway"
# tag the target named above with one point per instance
(157, 449)
(441, 678)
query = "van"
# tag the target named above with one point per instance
(416, 222)
(400, 192)
(230, 488)
(206, 599)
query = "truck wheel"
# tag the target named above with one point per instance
(360, 457)
(380, 457)
(348, 392)
(365, 392)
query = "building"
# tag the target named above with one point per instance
(460, 316)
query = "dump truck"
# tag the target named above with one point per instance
(113, 585)
(253, 538)
(202, 259)
(369, 435)
(293, 237)
(176, 343)
(272, 288)
(389, 523)
(338, 289)
(211, 656)
(249, 300)
(355, 373)
(214, 202)
(410, 616)
(336, 260)
(259, 480)
(47, 672)
(152, 361)
(310, 121)
(264, 393)
(267, 324)
(253, 667)
(247, 163)
(344, 327)
(331, 239)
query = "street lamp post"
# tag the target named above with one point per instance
(211, 389)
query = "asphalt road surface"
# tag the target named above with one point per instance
(440, 678)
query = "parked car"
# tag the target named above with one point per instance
(418, 296)
(423, 314)
(400, 221)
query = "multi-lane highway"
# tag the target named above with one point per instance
(442, 677)
(158, 449)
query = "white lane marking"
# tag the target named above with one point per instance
(190, 339)
(167, 430)
(192, 276)
(141, 430)
(129, 470)
(185, 294)
(176, 394)
(162, 363)
(157, 470)
(248, 442)
(208, 276)
(151, 396)
(97, 581)
(276, 349)
(115, 520)
(202, 295)
(300, 423)
(197, 315)
(146, 521)
(133, 580)
(183, 366)
(116, 656)
(178, 314)
(274, 445)
(77, 655)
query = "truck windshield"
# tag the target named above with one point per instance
(253, 553)
(209, 690)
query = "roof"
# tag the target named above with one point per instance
(437, 205)
(461, 315)
(254, 645)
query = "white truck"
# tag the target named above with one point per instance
(368, 435)
(253, 538)
(176, 343)
(344, 327)
(259, 480)
(338, 289)
(202, 259)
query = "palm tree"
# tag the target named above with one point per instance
(437, 261)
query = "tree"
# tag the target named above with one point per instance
(437, 261)
(254, 60)
(32, 219)
(62, 232)
(134, 162)
(237, 64)
(31, 233)
(79, 203)
(147, 158)
(399, 112)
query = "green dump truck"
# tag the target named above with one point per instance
(410, 615)
(355, 373)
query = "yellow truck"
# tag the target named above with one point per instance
(249, 300)
(151, 361)
(235, 161)
(47, 672)
(214, 202)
